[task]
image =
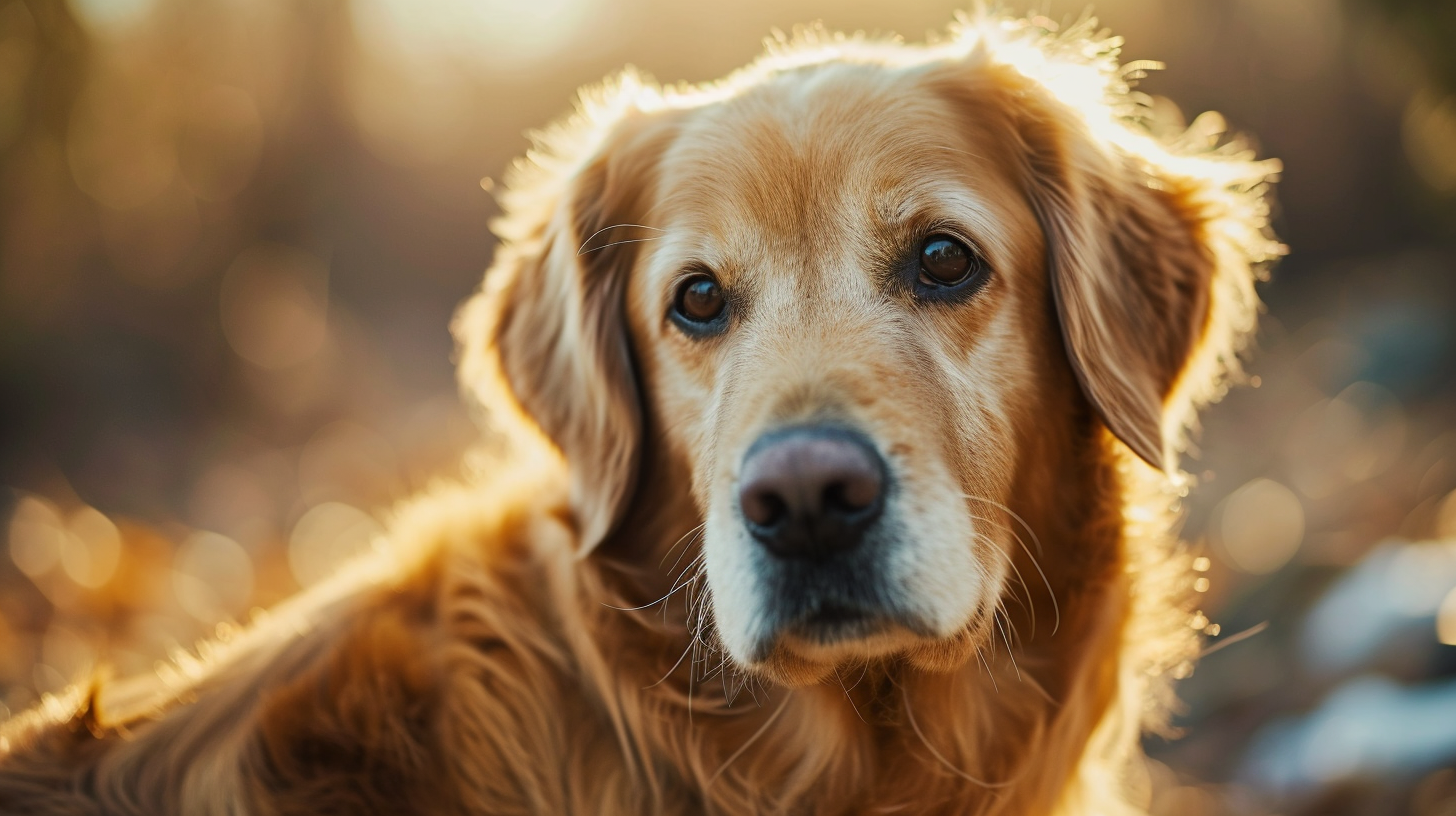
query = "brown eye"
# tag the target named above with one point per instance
(699, 299)
(944, 261)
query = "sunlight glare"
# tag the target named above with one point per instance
(501, 32)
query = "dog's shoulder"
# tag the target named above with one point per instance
(442, 693)
(391, 684)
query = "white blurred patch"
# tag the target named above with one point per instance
(1395, 593)
(1367, 726)
(504, 32)
(105, 16)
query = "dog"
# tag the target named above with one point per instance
(835, 415)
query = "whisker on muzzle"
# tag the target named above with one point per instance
(1056, 609)
(1029, 605)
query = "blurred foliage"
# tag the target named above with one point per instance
(1430, 26)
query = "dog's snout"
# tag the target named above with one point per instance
(811, 492)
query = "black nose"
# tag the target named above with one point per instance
(810, 492)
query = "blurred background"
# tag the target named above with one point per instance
(232, 233)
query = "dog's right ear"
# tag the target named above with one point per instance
(546, 337)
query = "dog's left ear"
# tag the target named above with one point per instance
(546, 338)
(1152, 259)
(1130, 275)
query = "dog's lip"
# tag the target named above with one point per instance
(838, 629)
(834, 622)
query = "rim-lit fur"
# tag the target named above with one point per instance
(579, 629)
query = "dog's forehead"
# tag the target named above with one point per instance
(816, 161)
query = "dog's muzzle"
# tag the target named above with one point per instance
(813, 499)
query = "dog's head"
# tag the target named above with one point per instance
(855, 294)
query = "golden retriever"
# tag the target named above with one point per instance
(837, 404)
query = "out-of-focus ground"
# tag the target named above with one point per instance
(232, 233)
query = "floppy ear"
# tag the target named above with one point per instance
(546, 337)
(1151, 267)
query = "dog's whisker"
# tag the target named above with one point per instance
(763, 729)
(690, 563)
(696, 529)
(863, 672)
(989, 672)
(691, 595)
(728, 697)
(1012, 513)
(847, 696)
(675, 588)
(669, 594)
(696, 565)
(619, 243)
(1030, 604)
(1056, 608)
(582, 250)
(686, 649)
(674, 668)
(753, 686)
(1235, 638)
(1010, 653)
(1011, 624)
(910, 714)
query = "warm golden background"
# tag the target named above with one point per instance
(232, 233)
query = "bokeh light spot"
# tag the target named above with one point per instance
(1357, 435)
(36, 536)
(325, 537)
(1260, 526)
(1446, 516)
(221, 140)
(91, 549)
(1429, 133)
(1446, 619)
(213, 577)
(347, 461)
(274, 305)
(68, 651)
(120, 143)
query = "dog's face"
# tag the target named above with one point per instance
(847, 300)
(836, 330)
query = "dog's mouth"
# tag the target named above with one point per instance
(831, 631)
(832, 623)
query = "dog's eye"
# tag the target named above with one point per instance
(699, 299)
(944, 261)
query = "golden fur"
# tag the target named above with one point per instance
(556, 635)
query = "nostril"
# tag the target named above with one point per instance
(836, 499)
(852, 494)
(764, 508)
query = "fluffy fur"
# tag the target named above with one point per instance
(556, 634)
